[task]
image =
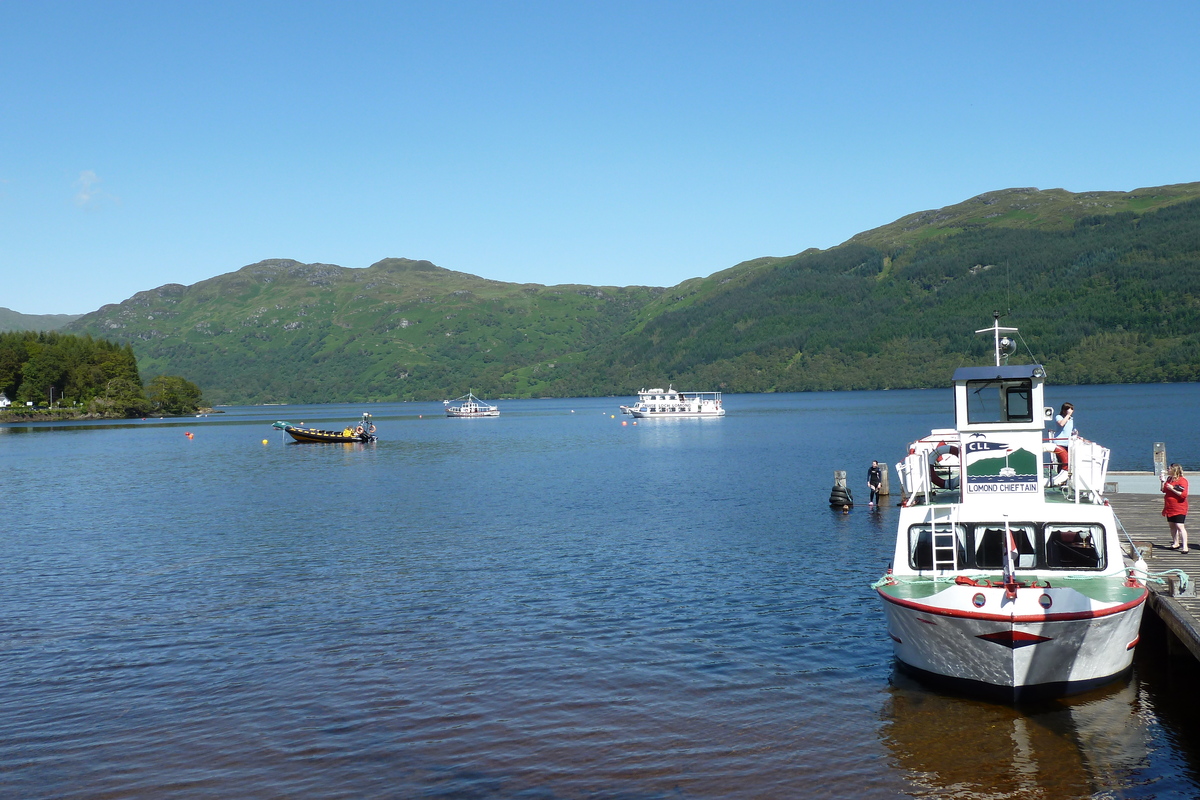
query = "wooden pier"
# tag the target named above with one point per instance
(1176, 605)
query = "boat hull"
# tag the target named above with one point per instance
(455, 413)
(1020, 653)
(641, 414)
(325, 437)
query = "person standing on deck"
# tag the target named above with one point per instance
(1175, 505)
(1061, 440)
(874, 481)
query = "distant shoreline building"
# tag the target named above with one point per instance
(4, 401)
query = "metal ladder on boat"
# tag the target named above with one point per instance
(945, 541)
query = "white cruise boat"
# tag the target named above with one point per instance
(1002, 583)
(469, 406)
(656, 403)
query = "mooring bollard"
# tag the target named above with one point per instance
(839, 495)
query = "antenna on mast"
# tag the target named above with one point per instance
(1004, 345)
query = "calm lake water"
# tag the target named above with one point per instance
(550, 604)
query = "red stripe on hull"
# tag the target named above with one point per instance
(954, 612)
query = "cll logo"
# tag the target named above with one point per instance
(979, 447)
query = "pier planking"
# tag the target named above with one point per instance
(1141, 515)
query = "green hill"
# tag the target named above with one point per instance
(13, 321)
(1105, 287)
(282, 331)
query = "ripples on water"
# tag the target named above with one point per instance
(545, 605)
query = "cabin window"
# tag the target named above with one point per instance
(1075, 546)
(990, 546)
(920, 544)
(1000, 400)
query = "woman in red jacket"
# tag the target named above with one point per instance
(1175, 504)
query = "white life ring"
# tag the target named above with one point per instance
(940, 458)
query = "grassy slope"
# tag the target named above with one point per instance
(1102, 282)
(1105, 297)
(281, 330)
(14, 321)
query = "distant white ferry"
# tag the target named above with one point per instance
(470, 406)
(655, 403)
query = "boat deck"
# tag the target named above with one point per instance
(1141, 515)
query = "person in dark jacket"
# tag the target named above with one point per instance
(874, 481)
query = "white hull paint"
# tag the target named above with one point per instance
(672, 404)
(1017, 655)
(457, 413)
(640, 414)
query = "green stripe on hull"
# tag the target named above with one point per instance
(1100, 589)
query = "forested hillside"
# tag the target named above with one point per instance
(282, 331)
(1103, 285)
(1114, 298)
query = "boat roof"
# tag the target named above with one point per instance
(999, 372)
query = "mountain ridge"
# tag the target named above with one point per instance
(279, 330)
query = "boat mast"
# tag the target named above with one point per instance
(995, 330)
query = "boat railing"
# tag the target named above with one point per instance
(1088, 469)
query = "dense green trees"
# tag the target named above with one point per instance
(170, 394)
(85, 373)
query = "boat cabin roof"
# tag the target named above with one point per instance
(999, 373)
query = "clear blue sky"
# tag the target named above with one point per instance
(605, 143)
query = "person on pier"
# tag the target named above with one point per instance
(1175, 505)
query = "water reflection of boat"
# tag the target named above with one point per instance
(1084, 746)
(363, 431)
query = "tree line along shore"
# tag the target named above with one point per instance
(51, 375)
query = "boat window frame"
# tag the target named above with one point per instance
(997, 411)
(1099, 540)
(1032, 538)
(960, 531)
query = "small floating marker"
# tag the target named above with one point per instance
(635, 422)
(612, 416)
(189, 434)
(264, 441)
(624, 423)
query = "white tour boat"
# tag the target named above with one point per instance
(1001, 582)
(470, 406)
(653, 403)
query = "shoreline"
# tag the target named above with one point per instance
(75, 415)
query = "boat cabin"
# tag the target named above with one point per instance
(994, 452)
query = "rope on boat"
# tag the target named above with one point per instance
(1161, 577)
